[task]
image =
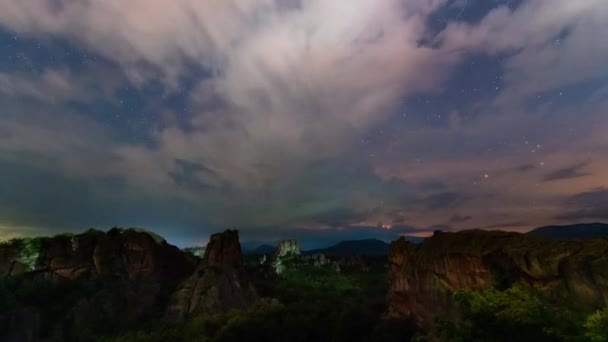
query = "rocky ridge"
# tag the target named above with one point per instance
(121, 275)
(422, 278)
(126, 254)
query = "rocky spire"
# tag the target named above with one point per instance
(223, 250)
(287, 248)
(219, 284)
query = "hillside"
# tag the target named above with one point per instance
(367, 247)
(575, 231)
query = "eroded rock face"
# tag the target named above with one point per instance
(287, 248)
(286, 251)
(423, 277)
(124, 274)
(223, 250)
(218, 284)
(118, 254)
(11, 262)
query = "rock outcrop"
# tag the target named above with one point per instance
(288, 248)
(218, 285)
(286, 252)
(12, 259)
(121, 275)
(288, 256)
(423, 277)
(129, 254)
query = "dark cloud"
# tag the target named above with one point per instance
(339, 217)
(445, 200)
(460, 219)
(587, 205)
(440, 227)
(189, 174)
(432, 185)
(525, 167)
(570, 172)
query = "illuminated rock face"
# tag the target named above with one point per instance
(287, 248)
(423, 277)
(218, 285)
(198, 252)
(286, 252)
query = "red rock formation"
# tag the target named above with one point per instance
(218, 285)
(118, 254)
(423, 277)
(223, 250)
(127, 271)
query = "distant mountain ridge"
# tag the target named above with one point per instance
(362, 247)
(250, 246)
(575, 231)
(367, 247)
(264, 249)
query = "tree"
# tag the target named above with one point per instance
(516, 314)
(596, 326)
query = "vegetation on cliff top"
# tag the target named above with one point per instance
(521, 314)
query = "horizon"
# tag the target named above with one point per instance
(320, 119)
(305, 242)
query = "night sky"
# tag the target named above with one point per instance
(311, 119)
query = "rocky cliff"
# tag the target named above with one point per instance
(129, 254)
(219, 284)
(423, 277)
(119, 276)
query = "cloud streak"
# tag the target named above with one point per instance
(587, 205)
(574, 171)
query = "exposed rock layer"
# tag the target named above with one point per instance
(423, 277)
(218, 284)
(118, 254)
(286, 252)
(287, 248)
(122, 275)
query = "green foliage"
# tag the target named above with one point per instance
(312, 304)
(317, 277)
(30, 252)
(596, 326)
(195, 250)
(515, 314)
(51, 300)
(29, 249)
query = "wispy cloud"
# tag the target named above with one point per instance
(587, 205)
(574, 171)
